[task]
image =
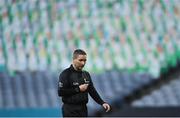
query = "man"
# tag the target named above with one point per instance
(74, 86)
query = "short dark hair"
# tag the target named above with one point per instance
(78, 52)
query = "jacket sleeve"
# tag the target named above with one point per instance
(93, 93)
(64, 88)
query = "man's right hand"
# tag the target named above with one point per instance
(83, 87)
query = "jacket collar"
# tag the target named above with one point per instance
(72, 69)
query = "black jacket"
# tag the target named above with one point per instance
(68, 87)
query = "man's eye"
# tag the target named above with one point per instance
(82, 60)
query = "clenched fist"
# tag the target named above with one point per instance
(83, 87)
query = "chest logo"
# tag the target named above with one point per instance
(86, 81)
(75, 83)
(60, 84)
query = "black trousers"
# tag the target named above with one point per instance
(69, 110)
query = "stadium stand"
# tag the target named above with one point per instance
(130, 44)
(166, 95)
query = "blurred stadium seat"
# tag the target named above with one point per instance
(166, 95)
(129, 44)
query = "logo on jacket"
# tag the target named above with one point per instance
(86, 81)
(60, 84)
(75, 83)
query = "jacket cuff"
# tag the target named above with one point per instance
(102, 102)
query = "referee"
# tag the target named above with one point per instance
(74, 86)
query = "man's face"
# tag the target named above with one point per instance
(79, 62)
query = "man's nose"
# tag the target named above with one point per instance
(83, 63)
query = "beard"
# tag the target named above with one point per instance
(80, 67)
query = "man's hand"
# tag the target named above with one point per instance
(83, 87)
(106, 106)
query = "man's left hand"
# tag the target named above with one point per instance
(106, 106)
